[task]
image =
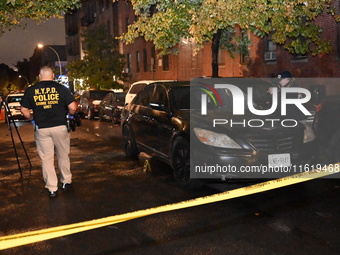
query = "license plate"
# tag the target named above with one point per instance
(279, 160)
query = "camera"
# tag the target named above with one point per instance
(73, 121)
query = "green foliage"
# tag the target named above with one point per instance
(11, 87)
(290, 22)
(13, 11)
(102, 61)
(9, 80)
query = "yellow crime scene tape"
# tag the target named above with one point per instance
(49, 233)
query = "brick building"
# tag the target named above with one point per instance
(265, 59)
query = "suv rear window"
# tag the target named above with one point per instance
(12, 99)
(136, 88)
(98, 95)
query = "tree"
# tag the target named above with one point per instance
(102, 65)
(24, 70)
(9, 80)
(289, 22)
(13, 11)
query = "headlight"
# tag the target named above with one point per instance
(215, 139)
(308, 135)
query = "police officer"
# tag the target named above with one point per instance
(51, 102)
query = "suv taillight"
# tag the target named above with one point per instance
(318, 107)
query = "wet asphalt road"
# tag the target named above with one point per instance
(299, 219)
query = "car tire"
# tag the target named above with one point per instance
(130, 146)
(101, 115)
(115, 120)
(181, 165)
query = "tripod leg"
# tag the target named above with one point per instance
(9, 119)
(22, 144)
(14, 146)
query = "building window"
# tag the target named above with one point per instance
(101, 5)
(244, 49)
(165, 63)
(221, 57)
(145, 60)
(153, 59)
(127, 23)
(298, 58)
(108, 27)
(128, 63)
(270, 49)
(137, 61)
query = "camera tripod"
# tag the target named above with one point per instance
(9, 121)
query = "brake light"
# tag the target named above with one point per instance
(318, 107)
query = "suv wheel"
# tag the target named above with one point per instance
(129, 143)
(90, 114)
(101, 115)
(181, 165)
(115, 119)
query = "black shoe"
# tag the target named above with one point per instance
(67, 186)
(53, 194)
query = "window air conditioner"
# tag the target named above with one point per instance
(270, 55)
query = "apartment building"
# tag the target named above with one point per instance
(266, 59)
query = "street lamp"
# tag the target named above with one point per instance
(21, 76)
(40, 46)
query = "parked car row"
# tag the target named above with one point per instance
(106, 104)
(89, 103)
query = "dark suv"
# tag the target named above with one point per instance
(162, 121)
(89, 103)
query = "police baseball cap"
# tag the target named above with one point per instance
(284, 74)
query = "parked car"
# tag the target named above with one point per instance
(327, 128)
(13, 100)
(160, 122)
(111, 106)
(89, 103)
(136, 87)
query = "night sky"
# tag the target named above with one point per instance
(18, 44)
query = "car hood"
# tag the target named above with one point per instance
(222, 120)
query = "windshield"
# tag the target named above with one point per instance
(220, 93)
(136, 88)
(98, 95)
(190, 97)
(12, 99)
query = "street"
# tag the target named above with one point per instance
(298, 219)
